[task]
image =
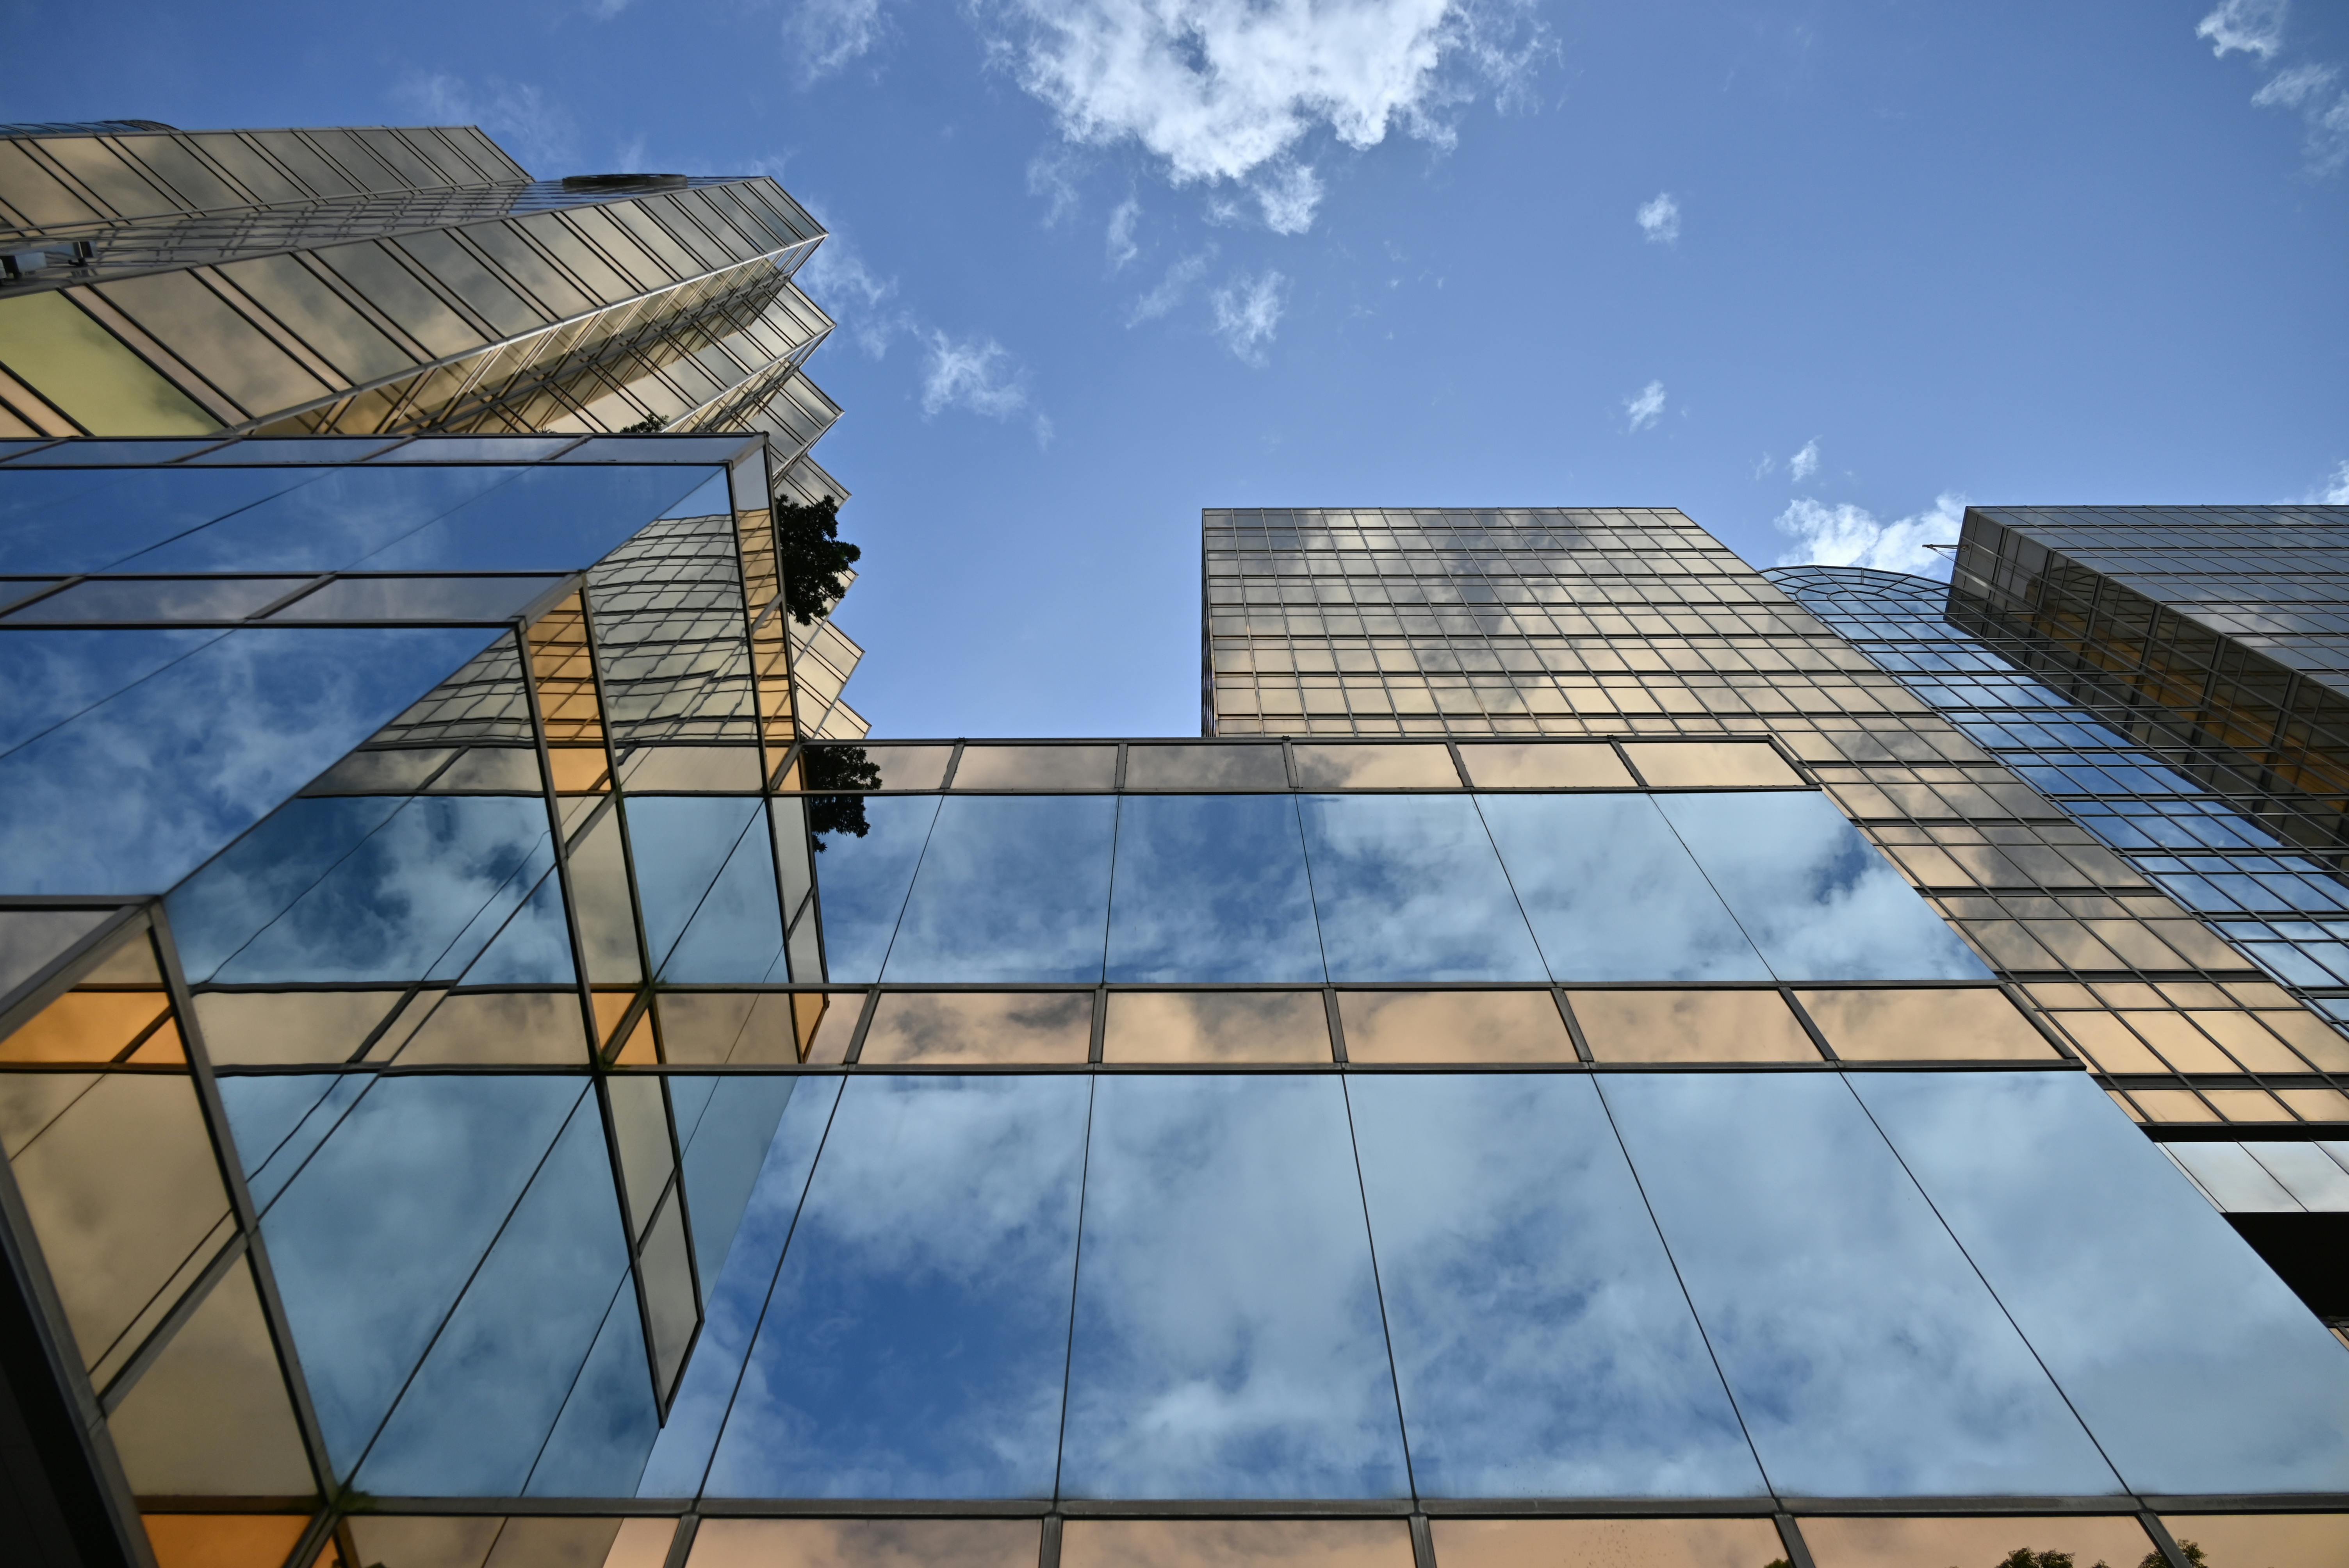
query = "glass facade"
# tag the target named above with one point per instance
(485, 1079)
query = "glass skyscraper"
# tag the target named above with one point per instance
(1578, 1065)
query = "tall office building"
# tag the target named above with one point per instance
(376, 280)
(483, 1088)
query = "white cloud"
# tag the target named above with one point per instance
(1248, 313)
(1218, 89)
(2294, 87)
(824, 36)
(1645, 406)
(1052, 174)
(1804, 463)
(2253, 27)
(1171, 288)
(976, 374)
(1122, 248)
(2310, 88)
(1288, 197)
(1846, 536)
(541, 135)
(1767, 465)
(2336, 491)
(836, 278)
(1659, 220)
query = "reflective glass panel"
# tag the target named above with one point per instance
(1011, 888)
(1936, 1543)
(311, 521)
(863, 868)
(1408, 888)
(944, 1028)
(1918, 1025)
(1820, 901)
(67, 521)
(1235, 1544)
(1215, 1027)
(1452, 1027)
(1543, 1344)
(1863, 1353)
(874, 766)
(1211, 888)
(1204, 768)
(1036, 768)
(223, 1540)
(1691, 1027)
(692, 848)
(865, 1543)
(135, 792)
(1609, 1544)
(1412, 764)
(1546, 765)
(50, 676)
(2263, 1540)
(163, 599)
(929, 1278)
(2195, 1366)
(418, 599)
(31, 938)
(1711, 764)
(1611, 893)
(1228, 1339)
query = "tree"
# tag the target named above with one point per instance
(837, 768)
(814, 560)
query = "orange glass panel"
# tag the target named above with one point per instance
(1691, 1027)
(1215, 1027)
(651, 769)
(1970, 1024)
(611, 1006)
(2246, 1105)
(1551, 765)
(867, 1543)
(1733, 764)
(2309, 1034)
(86, 1026)
(2184, 1047)
(580, 769)
(2263, 1540)
(2247, 1041)
(1607, 1543)
(2172, 1105)
(2317, 1104)
(713, 1027)
(1453, 1026)
(223, 1540)
(1231, 1542)
(2107, 1043)
(2121, 1542)
(565, 677)
(940, 1028)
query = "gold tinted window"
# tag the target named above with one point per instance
(214, 1540)
(1725, 764)
(1204, 768)
(1606, 1543)
(865, 1543)
(228, 350)
(1954, 1024)
(1037, 767)
(1938, 1543)
(211, 1416)
(941, 1027)
(1215, 1027)
(712, 1028)
(1548, 765)
(285, 1026)
(62, 353)
(2263, 1540)
(1409, 766)
(1235, 1544)
(1691, 1027)
(1453, 1026)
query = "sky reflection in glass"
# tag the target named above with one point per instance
(918, 1339)
(735, 1293)
(1613, 893)
(1227, 1338)
(1862, 1349)
(1818, 899)
(326, 525)
(705, 877)
(1212, 888)
(1408, 888)
(479, 1409)
(551, 519)
(373, 1240)
(2197, 1368)
(863, 878)
(1544, 1346)
(136, 792)
(51, 675)
(61, 520)
(1011, 888)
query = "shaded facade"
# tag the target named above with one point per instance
(528, 1101)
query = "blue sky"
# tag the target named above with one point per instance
(1816, 273)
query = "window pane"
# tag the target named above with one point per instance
(1011, 888)
(1863, 1353)
(1211, 888)
(169, 599)
(1820, 901)
(417, 599)
(875, 766)
(2196, 1367)
(1613, 893)
(863, 870)
(944, 1028)
(1717, 764)
(2267, 1540)
(1235, 1544)
(1409, 766)
(932, 1258)
(1227, 1338)
(1936, 1543)
(1037, 767)
(705, 876)
(1925, 1026)
(1215, 1027)
(1691, 1027)
(865, 1543)
(1408, 888)
(1543, 1344)
(1609, 1542)
(1204, 768)
(1452, 1027)
(1546, 765)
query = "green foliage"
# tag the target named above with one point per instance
(652, 426)
(814, 560)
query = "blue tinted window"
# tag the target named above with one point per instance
(1012, 887)
(2197, 1368)
(1817, 899)
(481, 1405)
(705, 872)
(551, 519)
(1863, 1353)
(608, 1422)
(1212, 887)
(1228, 1339)
(68, 520)
(1543, 1344)
(862, 879)
(736, 1292)
(134, 793)
(373, 1240)
(50, 676)
(1408, 888)
(918, 1339)
(325, 524)
(1611, 891)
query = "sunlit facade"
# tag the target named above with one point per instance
(485, 1086)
